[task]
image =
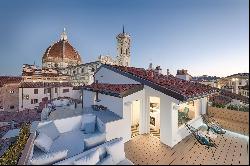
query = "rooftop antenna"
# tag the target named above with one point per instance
(123, 29)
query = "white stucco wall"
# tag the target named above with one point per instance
(114, 104)
(117, 129)
(30, 91)
(127, 107)
(108, 76)
(88, 98)
(183, 77)
(135, 115)
(167, 117)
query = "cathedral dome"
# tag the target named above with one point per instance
(61, 54)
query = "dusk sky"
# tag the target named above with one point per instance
(203, 36)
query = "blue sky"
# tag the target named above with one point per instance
(204, 36)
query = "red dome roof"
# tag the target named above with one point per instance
(62, 49)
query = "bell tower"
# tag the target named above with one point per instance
(123, 49)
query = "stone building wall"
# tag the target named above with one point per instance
(9, 94)
(236, 121)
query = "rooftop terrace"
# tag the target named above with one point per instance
(148, 150)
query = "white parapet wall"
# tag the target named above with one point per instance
(117, 129)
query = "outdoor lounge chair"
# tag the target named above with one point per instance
(213, 125)
(200, 137)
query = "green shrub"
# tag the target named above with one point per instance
(11, 155)
(233, 107)
(238, 107)
(218, 105)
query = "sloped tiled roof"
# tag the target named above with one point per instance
(118, 90)
(220, 99)
(167, 84)
(9, 79)
(44, 84)
(235, 96)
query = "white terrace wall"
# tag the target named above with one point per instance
(88, 98)
(114, 104)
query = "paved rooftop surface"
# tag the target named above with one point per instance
(11, 133)
(65, 112)
(148, 150)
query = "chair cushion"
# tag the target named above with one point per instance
(89, 127)
(43, 142)
(94, 140)
(91, 158)
(106, 161)
(88, 118)
(116, 150)
(49, 158)
(50, 130)
(72, 141)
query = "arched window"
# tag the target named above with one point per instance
(121, 50)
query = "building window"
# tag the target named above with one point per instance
(11, 92)
(35, 91)
(34, 101)
(12, 107)
(65, 90)
(82, 70)
(56, 90)
(121, 50)
(45, 91)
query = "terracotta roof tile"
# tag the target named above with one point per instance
(61, 49)
(45, 84)
(186, 89)
(9, 79)
(119, 90)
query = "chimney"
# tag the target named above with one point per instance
(168, 72)
(150, 66)
(183, 74)
(158, 69)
